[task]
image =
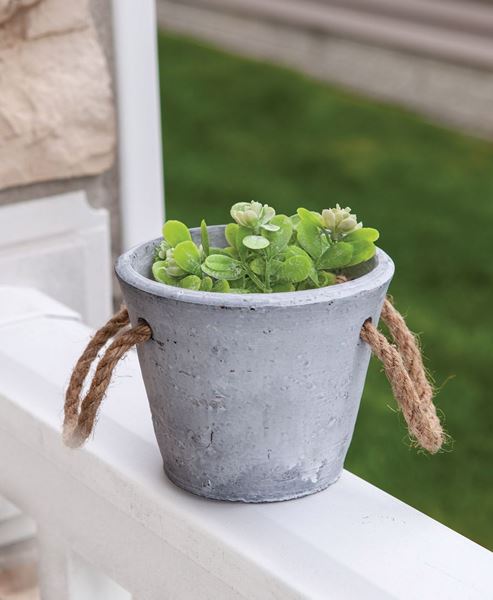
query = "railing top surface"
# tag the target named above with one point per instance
(350, 541)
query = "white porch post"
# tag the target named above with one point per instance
(53, 567)
(140, 156)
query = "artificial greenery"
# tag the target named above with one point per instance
(266, 252)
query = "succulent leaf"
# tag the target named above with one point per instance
(296, 269)
(187, 257)
(283, 287)
(191, 282)
(362, 251)
(220, 266)
(255, 242)
(230, 232)
(310, 217)
(280, 239)
(365, 233)
(175, 232)
(206, 284)
(204, 234)
(310, 239)
(336, 256)
(160, 274)
(221, 286)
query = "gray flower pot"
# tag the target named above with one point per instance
(253, 397)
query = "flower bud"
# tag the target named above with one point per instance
(267, 214)
(348, 224)
(252, 214)
(329, 218)
(160, 252)
(339, 221)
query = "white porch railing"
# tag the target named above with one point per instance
(108, 510)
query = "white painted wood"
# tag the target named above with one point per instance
(54, 565)
(8, 510)
(89, 582)
(21, 304)
(63, 575)
(60, 246)
(140, 155)
(16, 529)
(113, 505)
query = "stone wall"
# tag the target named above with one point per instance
(57, 108)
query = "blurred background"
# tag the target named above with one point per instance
(385, 106)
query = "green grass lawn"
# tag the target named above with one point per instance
(236, 130)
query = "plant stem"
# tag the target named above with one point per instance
(267, 272)
(328, 236)
(255, 279)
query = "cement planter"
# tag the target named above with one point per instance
(253, 397)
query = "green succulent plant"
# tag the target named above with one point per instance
(266, 252)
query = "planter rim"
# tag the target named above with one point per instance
(125, 270)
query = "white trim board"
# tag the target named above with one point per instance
(60, 246)
(139, 120)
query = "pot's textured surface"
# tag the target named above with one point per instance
(253, 397)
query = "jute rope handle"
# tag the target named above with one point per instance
(80, 414)
(402, 363)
